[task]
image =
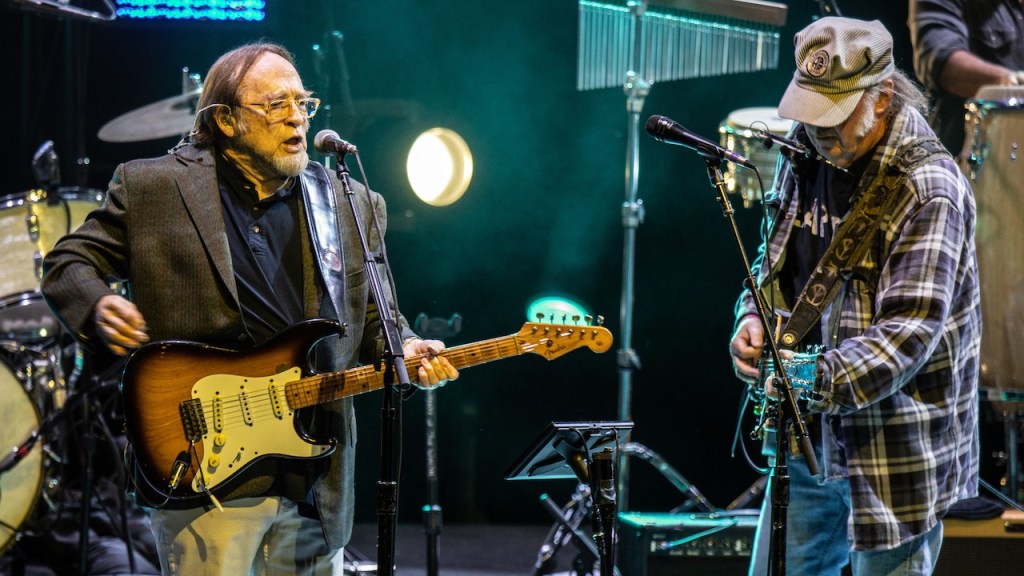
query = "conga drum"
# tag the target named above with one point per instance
(992, 160)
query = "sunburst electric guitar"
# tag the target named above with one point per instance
(188, 403)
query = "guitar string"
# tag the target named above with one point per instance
(261, 400)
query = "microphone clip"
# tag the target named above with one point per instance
(789, 148)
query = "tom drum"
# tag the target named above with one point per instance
(30, 224)
(738, 134)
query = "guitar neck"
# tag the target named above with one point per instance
(321, 388)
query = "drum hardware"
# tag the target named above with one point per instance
(46, 166)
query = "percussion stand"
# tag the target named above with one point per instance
(440, 329)
(789, 412)
(636, 90)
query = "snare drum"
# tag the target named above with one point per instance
(993, 160)
(20, 487)
(30, 224)
(737, 134)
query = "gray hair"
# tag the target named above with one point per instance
(221, 85)
(906, 93)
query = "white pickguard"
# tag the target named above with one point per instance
(246, 419)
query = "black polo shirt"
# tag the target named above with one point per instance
(266, 251)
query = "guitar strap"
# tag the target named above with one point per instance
(853, 237)
(322, 215)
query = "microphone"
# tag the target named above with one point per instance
(671, 132)
(602, 486)
(18, 453)
(790, 148)
(178, 470)
(328, 142)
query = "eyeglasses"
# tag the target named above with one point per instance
(277, 110)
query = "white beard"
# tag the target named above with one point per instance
(291, 166)
(288, 167)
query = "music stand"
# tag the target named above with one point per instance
(585, 451)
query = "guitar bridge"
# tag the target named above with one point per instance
(192, 419)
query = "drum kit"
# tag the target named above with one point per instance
(41, 368)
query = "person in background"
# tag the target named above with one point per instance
(960, 46)
(228, 240)
(887, 358)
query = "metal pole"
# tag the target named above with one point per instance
(632, 216)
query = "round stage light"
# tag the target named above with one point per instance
(439, 167)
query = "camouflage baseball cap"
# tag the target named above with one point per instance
(836, 60)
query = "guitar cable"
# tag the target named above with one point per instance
(178, 469)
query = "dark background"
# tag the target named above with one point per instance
(542, 213)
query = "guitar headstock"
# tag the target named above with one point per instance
(554, 340)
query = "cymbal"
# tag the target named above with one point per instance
(168, 117)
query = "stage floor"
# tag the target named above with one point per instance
(464, 549)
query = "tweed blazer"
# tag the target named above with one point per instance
(161, 228)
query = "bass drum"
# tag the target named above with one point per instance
(20, 487)
(992, 160)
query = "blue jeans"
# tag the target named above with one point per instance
(818, 539)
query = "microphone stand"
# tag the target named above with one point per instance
(394, 365)
(789, 413)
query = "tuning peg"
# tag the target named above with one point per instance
(600, 320)
(589, 319)
(575, 318)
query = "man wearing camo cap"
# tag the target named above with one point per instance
(891, 401)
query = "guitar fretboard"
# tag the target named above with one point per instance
(322, 388)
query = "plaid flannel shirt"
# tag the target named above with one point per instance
(898, 381)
